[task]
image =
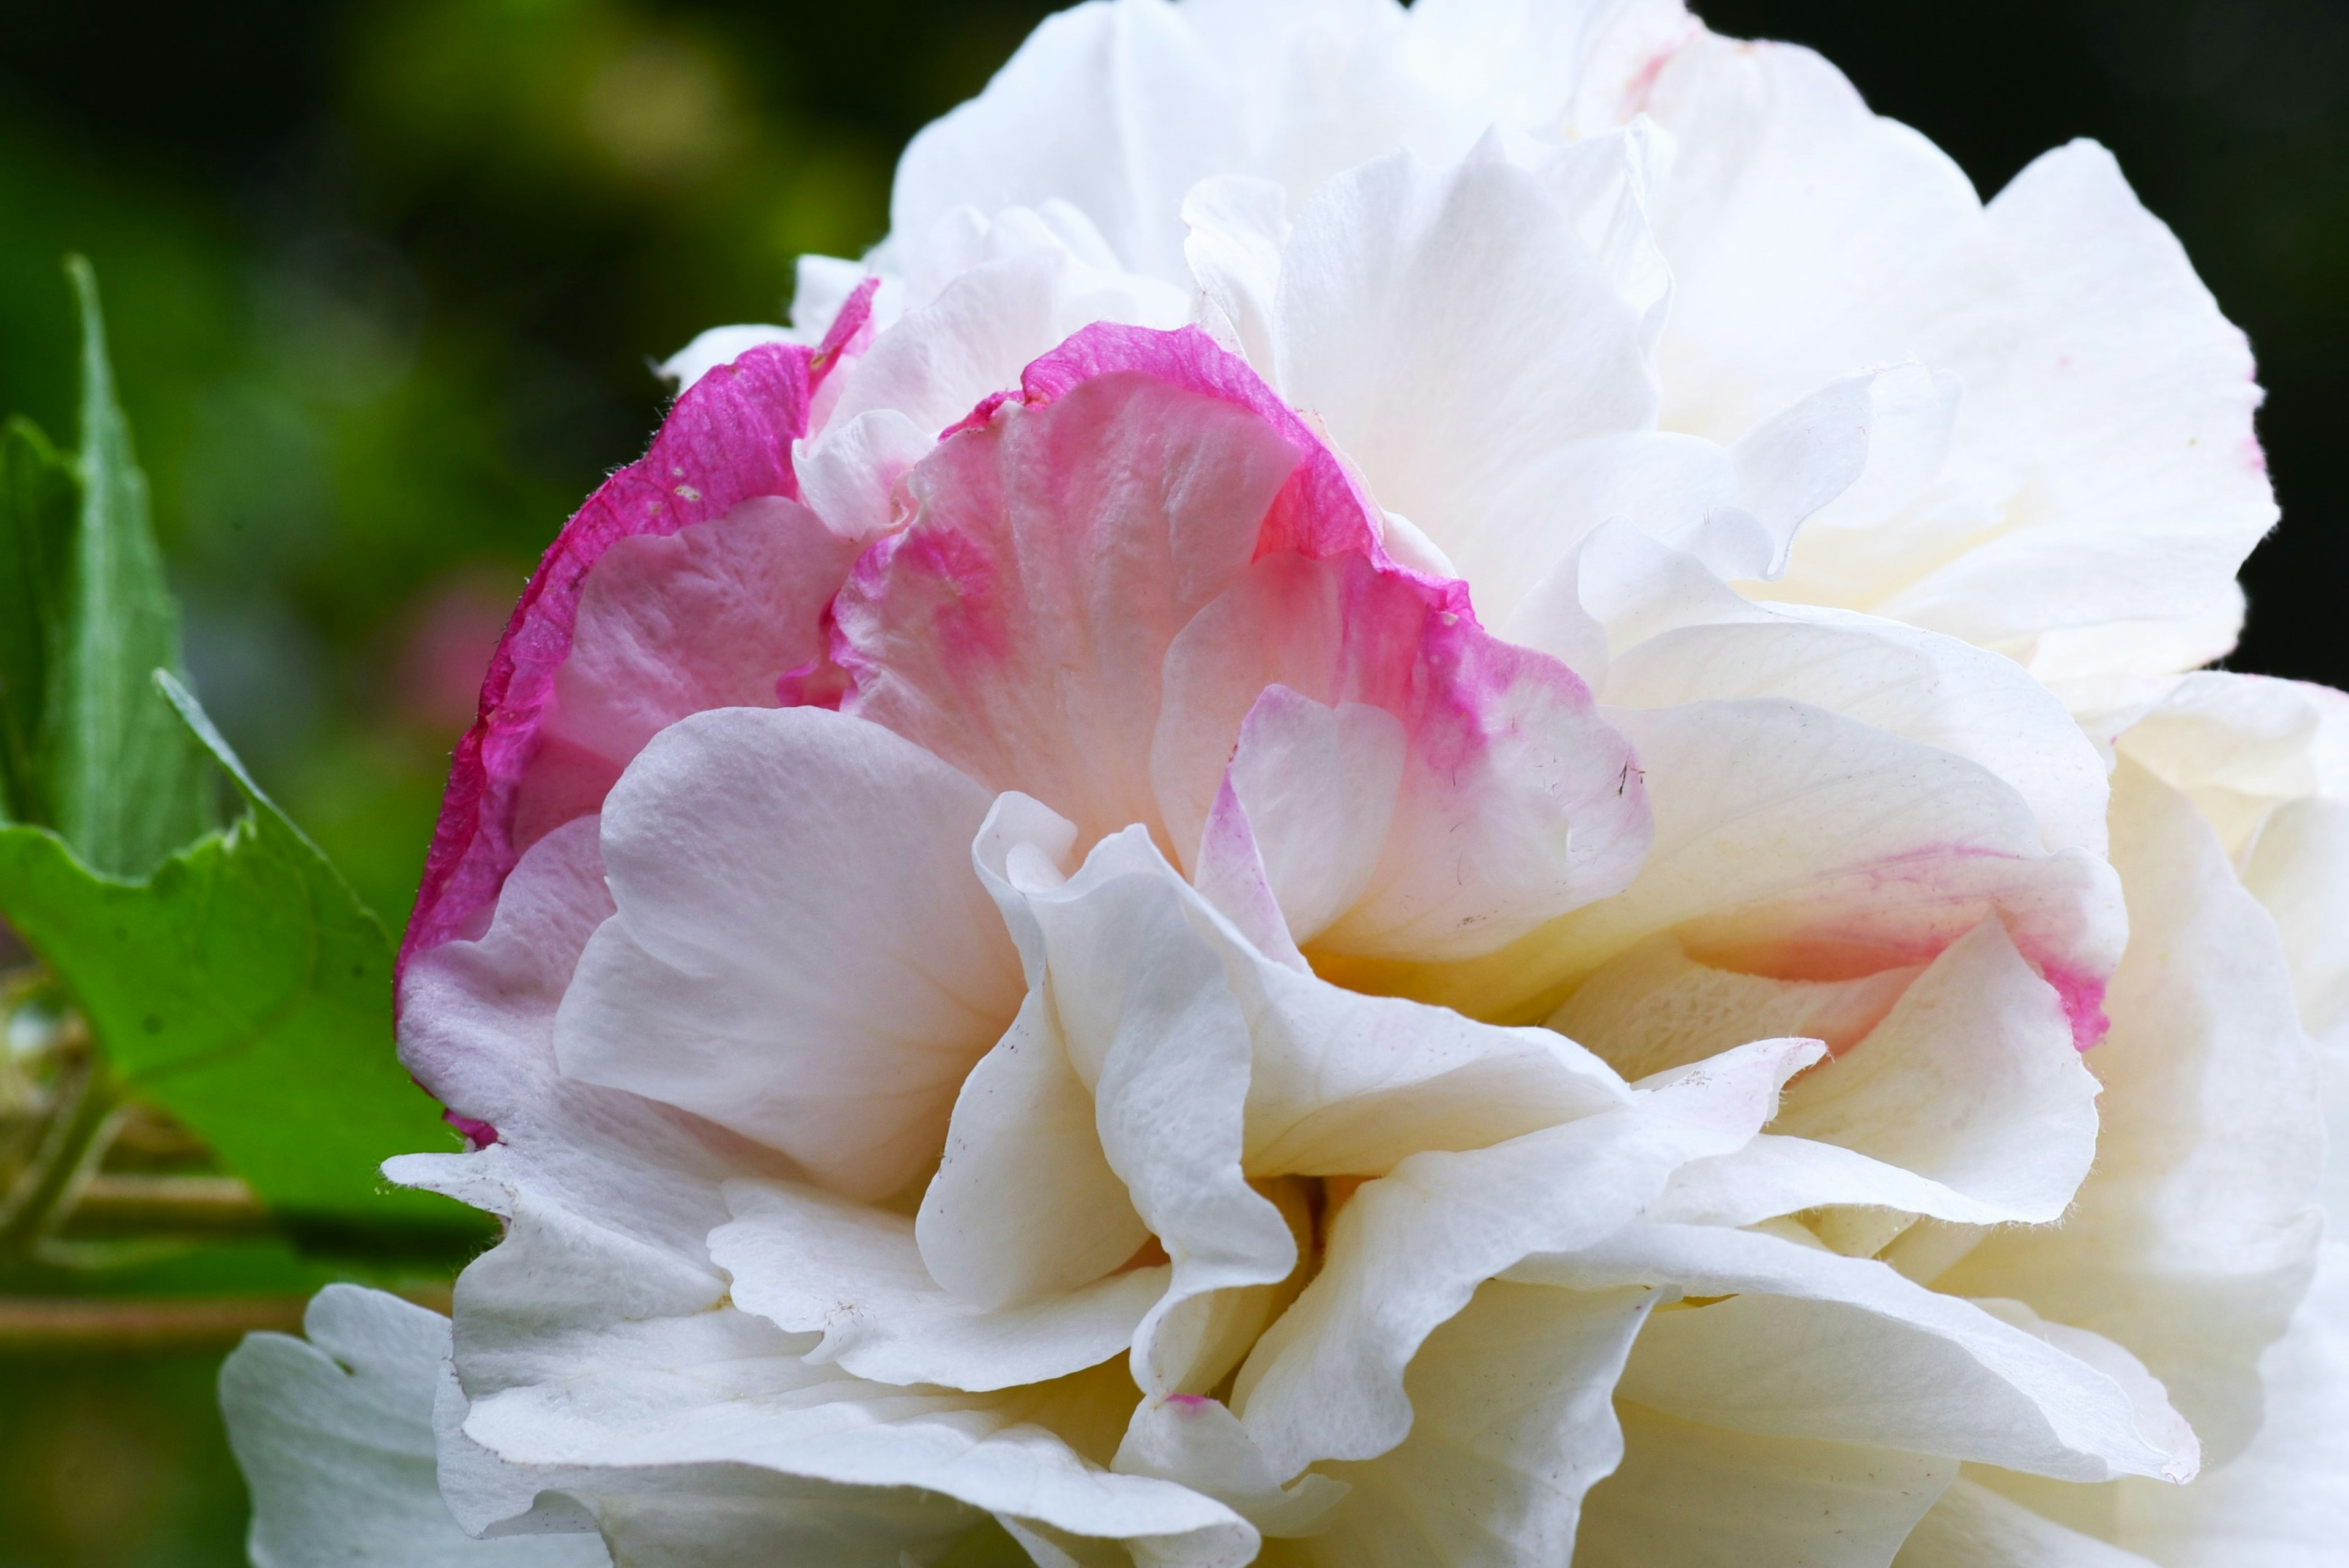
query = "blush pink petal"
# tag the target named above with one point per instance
(712, 615)
(1515, 802)
(1017, 625)
(727, 441)
(1107, 569)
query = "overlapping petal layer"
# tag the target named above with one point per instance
(1023, 957)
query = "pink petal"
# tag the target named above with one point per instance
(726, 441)
(1108, 569)
(1515, 802)
(1061, 539)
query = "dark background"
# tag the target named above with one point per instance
(384, 279)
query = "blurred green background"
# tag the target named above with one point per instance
(384, 281)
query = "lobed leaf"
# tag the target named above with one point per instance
(126, 784)
(39, 496)
(243, 987)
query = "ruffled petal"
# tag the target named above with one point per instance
(1845, 1350)
(2193, 1238)
(638, 1381)
(2144, 518)
(1408, 1250)
(1116, 107)
(1514, 801)
(1973, 1080)
(809, 1262)
(1449, 326)
(1926, 688)
(726, 441)
(712, 615)
(1513, 1419)
(1692, 1496)
(1973, 1527)
(334, 1437)
(800, 953)
(1077, 530)
(2281, 1503)
(1795, 844)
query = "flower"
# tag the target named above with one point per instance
(1263, 938)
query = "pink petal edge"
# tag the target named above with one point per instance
(726, 441)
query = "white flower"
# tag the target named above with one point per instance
(1014, 944)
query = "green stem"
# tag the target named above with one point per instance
(63, 1161)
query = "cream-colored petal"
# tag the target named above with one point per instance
(1973, 1527)
(810, 1262)
(1810, 1345)
(1692, 1496)
(1408, 1250)
(1512, 1421)
(2192, 1238)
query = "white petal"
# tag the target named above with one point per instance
(820, 285)
(647, 1367)
(1196, 1441)
(1844, 1350)
(1973, 1081)
(1349, 1084)
(1662, 485)
(1911, 418)
(1229, 872)
(1237, 227)
(1736, 508)
(809, 1262)
(477, 1021)
(334, 1437)
(1346, 1084)
(1512, 1421)
(1691, 1496)
(1791, 466)
(1973, 1527)
(1536, 64)
(800, 952)
(2299, 874)
(2127, 400)
(941, 359)
(597, 1336)
(1293, 756)
(2266, 763)
(1806, 235)
(1794, 843)
(2191, 1238)
(1605, 184)
(1143, 995)
(686, 1516)
(2282, 1502)
(847, 474)
(1025, 1203)
(1620, 586)
(1928, 688)
(1450, 328)
(1654, 1007)
(1514, 801)
(1408, 1251)
(1147, 1019)
(1116, 108)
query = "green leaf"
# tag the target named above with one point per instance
(125, 783)
(244, 988)
(37, 501)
